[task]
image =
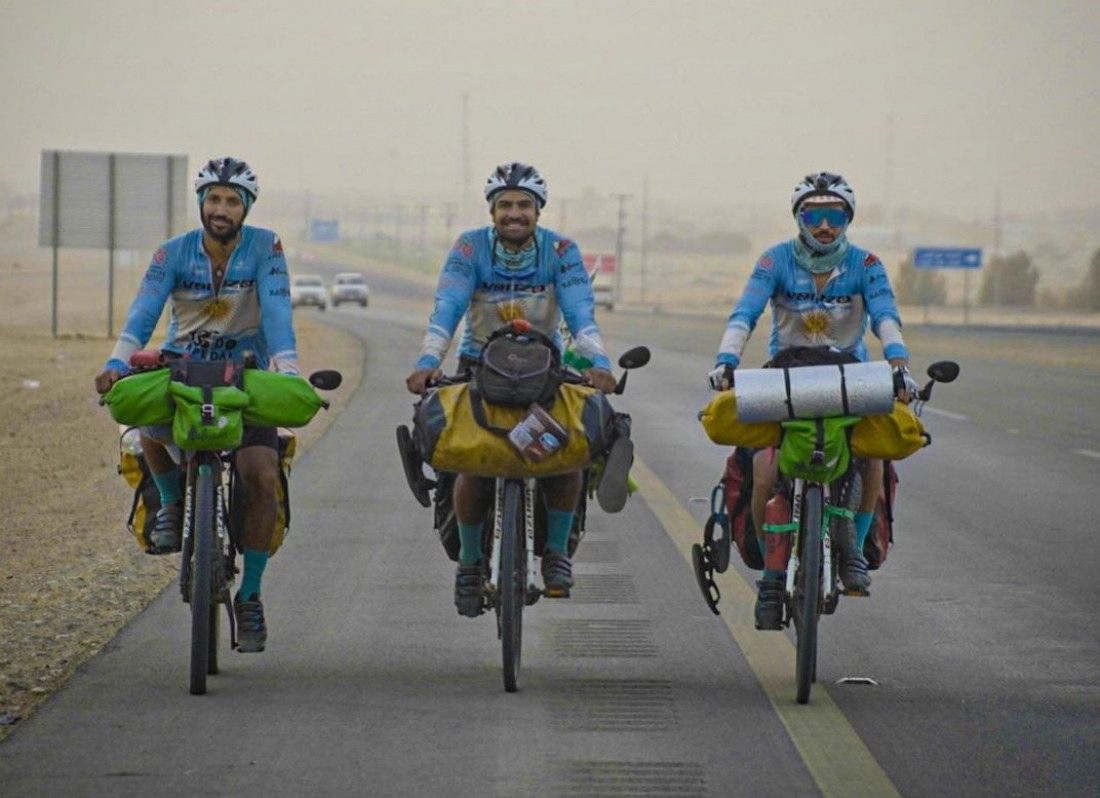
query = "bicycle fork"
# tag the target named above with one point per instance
(529, 490)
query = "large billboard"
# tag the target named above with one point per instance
(106, 200)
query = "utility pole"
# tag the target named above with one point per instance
(645, 227)
(464, 198)
(888, 168)
(423, 228)
(619, 245)
(998, 259)
(449, 220)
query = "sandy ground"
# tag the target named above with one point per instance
(71, 574)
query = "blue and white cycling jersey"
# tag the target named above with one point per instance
(475, 285)
(215, 325)
(858, 290)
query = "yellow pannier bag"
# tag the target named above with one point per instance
(720, 422)
(891, 436)
(450, 438)
(146, 499)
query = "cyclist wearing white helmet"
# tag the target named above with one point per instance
(512, 269)
(823, 292)
(228, 293)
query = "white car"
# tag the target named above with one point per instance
(308, 289)
(350, 287)
(604, 294)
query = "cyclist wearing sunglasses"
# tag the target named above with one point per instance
(823, 291)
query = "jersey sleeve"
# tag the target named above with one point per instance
(453, 292)
(578, 305)
(144, 313)
(742, 321)
(882, 308)
(276, 312)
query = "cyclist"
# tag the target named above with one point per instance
(512, 269)
(228, 292)
(823, 291)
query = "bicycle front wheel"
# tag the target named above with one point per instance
(513, 583)
(202, 618)
(807, 592)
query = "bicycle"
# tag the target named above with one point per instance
(818, 509)
(212, 506)
(511, 540)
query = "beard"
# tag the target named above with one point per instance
(222, 237)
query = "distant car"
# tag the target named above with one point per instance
(308, 289)
(350, 287)
(604, 294)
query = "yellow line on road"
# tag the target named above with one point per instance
(836, 757)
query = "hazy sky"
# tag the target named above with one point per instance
(726, 101)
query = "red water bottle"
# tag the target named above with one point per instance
(777, 533)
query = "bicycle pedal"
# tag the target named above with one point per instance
(857, 593)
(556, 592)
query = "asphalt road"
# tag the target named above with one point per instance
(980, 636)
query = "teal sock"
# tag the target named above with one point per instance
(469, 542)
(168, 485)
(559, 523)
(863, 528)
(254, 564)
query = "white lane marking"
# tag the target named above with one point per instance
(1088, 453)
(937, 412)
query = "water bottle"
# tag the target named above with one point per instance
(777, 533)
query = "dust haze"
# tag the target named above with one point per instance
(960, 108)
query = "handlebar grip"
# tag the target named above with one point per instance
(147, 358)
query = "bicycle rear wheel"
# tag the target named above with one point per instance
(202, 611)
(807, 592)
(513, 583)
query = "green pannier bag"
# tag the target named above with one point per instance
(208, 423)
(279, 400)
(803, 437)
(141, 400)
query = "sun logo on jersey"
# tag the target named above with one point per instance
(218, 309)
(816, 325)
(511, 309)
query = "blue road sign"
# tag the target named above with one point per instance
(324, 230)
(947, 258)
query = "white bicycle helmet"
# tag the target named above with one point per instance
(518, 176)
(228, 172)
(824, 187)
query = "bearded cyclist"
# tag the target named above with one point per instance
(823, 291)
(229, 296)
(495, 274)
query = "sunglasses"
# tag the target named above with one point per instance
(834, 217)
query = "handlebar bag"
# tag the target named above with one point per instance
(279, 400)
(450, 438)
(816, 449)
(141, 400)
(892, 436)
(207, 418)
(518, 370)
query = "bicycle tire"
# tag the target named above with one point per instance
(202, 531)
(513, 579)
(807, 592)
